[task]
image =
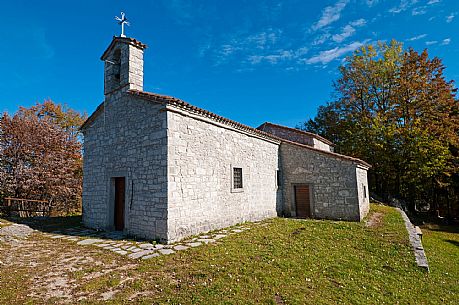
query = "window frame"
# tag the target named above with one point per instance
(233, 189)
(278, 178)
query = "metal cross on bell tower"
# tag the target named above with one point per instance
(123, 21)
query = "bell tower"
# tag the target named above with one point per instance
(123, 65)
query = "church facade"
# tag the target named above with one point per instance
(159, 168)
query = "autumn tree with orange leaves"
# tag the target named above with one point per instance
(395, 109)
(40, 155)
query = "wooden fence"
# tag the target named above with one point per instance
(25, 207)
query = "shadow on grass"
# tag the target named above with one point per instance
(49, 224)
(443, 228)
(69, 226)
(454, 242)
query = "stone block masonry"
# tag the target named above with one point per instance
(129, 139)
(415, 241)
(332, 181)
(201, 157)
(186, 170)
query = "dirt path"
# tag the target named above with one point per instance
(375, 220)
(62, 262)
(35, 267)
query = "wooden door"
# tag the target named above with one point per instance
(119, 203)
(303, 206)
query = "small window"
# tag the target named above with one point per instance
(278, 178)
(364, 191)
(117, 64)
(237, 178)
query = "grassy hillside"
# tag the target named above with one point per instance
(281, 261)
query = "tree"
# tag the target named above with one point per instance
(394, 108)
(40, 155)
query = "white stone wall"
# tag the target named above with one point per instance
(135, 68)
(128, 139)
(129, 67)
(332, 182)
(200, 157)
(294, 135)
(364, 193)
(321, 145)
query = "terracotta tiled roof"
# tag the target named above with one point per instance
(169, 100)
(310, 134)
(180, 104)
(188, 107)
(128, 40)
(332, 154)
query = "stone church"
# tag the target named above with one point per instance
(159, 168)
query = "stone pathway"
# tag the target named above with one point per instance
(12, 233)
(118, 243)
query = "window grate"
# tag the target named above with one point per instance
(237, 178)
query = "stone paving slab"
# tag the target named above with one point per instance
(194, 244)
(57, 236)
(166, 251)
(150, 256)
(415, 241)
(180, 247)
(117, 243)
(146, 246)
(206, 241)
(140, 254)
(102, 245)
(89, 241)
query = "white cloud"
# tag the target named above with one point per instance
(321, 39)
(433, 1)
(419, 11)
(371, 3)
(358, 22)
(403, 6)
(348, 30)
(271, 58)
(327, 56)
(263, 47)
(429, 43)
(417, 37)
(265, 40)
(278, 56)
(450, 17)
(446, 41)
(228, 49)
(330, 14)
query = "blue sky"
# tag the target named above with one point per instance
(251, 61)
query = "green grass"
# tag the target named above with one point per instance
(286, 261)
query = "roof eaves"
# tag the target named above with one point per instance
(196, 110)
(332, 154)
(311, 134)
(93, 116)
(128, 40)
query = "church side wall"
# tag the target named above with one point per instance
(200, 160)
(332, 183)
(129, 139)
(364, 198)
